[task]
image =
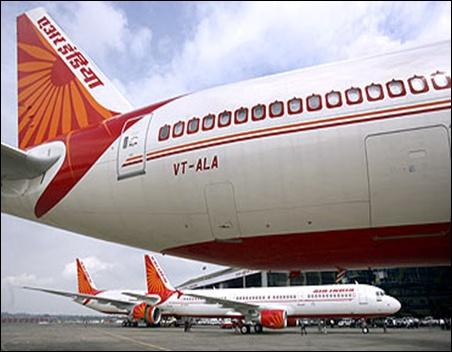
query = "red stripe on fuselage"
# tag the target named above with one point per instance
(84, 148)
(407, 245)
(289, 129)
(286, 129)
(304, 125)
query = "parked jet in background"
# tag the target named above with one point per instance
(110, 301)
(342, 165)
(269, 307)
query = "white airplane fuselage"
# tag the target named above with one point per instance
(357, 185)
(298, 301)
(108, 308)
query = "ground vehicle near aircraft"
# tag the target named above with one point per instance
(341, 165)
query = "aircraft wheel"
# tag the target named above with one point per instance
(245, 329)
(258, 329)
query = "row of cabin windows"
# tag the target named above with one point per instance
(241, 298)
(333, 99)
(331, 295)
(245, 298)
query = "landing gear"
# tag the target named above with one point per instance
(245, 329)
(364, 327)
(129, 323)
(258, 329)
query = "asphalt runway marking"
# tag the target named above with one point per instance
(148, 345)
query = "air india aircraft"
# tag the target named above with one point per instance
(269, 307)
(274, 307)
(111, 301)
(341, 165)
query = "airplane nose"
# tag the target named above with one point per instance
(395, 305)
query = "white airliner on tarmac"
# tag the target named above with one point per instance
(341, 165)
(269, 307)
(111, 301)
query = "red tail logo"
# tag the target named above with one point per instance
(59, 88)
(85, 284)
(156, 280)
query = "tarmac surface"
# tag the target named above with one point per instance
(114, 338)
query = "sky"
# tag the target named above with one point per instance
(155, 50)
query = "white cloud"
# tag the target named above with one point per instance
(103, 31)
(26, 280)
(92, 264)
(97, 26)
(236, 41)
(139, 43)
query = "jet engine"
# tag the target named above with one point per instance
(150, 314)
(273, 318)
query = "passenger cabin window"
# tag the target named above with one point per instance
(276, 109)
(193, 125)
(258, 112)
(178, 129)
(241, 115)
(418, 84)
(208, 122)
(164, 133)
(294, 106)
(353, 96)
(314, 102)
(224, 119)
(333, 99)
(440, 80)
(396, 88)
(374, 92)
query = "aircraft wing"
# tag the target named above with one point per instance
(120, 304)
(247, 309)
(19, 165)
(150, 299)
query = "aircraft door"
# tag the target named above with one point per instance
(222, 211)
(362, 293)
(132, 147)
(409, 176)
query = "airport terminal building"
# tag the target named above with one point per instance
(423, 291)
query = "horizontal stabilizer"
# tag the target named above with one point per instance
(20, 165)
(121, 304)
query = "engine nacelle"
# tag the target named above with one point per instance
(273, 318)
(150, 314)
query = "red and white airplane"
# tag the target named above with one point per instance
(341, 165)
(269, 307)
(111, 301)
